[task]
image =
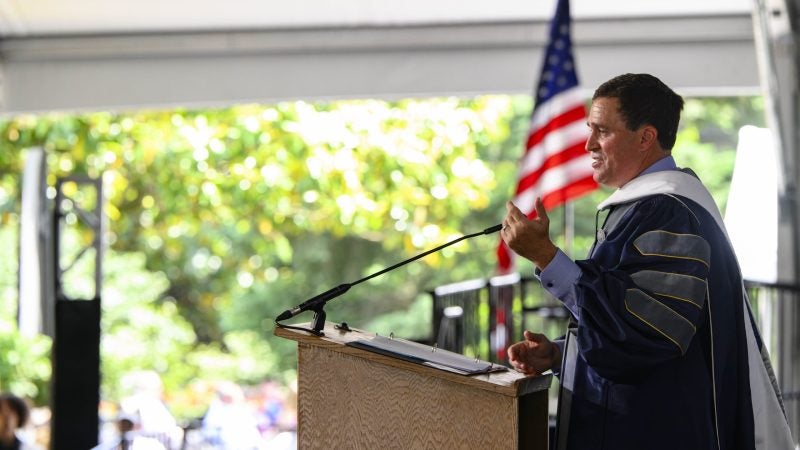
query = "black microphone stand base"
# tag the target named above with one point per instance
(319, 321)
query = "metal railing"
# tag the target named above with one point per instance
(482, 317)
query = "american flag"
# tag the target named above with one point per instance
(555, 165)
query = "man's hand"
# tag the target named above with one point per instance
(529, 238)
(535, 355)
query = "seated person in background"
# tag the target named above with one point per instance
(14, 415)
(129, 438)
(229, 422)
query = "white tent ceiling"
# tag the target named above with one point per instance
(59, 17)
(116, 54)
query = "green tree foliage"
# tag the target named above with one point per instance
(708, 137)
(25, 365)
(232, 216)
(221, 219)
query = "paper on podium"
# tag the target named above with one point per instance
(426, 355)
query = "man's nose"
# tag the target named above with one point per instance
(591, 143)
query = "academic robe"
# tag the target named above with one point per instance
(665, 353)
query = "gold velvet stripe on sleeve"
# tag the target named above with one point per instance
(674, 285)
(660, 317)
(673, 245)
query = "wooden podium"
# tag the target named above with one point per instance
(354, 398)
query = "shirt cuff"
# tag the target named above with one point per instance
(560, 275)
(559, 279)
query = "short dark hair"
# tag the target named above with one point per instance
(644, 99)
(19, 407)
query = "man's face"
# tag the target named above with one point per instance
(616, 158)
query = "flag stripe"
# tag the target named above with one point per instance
(504, 262)
(564, 156)
(554, 180)
(557, 105)
(576, 114)
(574, 189)
(555, 143)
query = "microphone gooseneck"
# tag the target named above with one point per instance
(317, 302)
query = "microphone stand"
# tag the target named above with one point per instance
(318, 302)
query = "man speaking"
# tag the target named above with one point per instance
(662, 351)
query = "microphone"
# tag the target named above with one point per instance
(317, 302)
(314, 302)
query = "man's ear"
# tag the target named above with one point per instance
(648, 136)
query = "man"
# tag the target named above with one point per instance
(662, 351)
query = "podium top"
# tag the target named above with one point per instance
(510, 383)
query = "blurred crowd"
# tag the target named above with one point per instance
(234, 417)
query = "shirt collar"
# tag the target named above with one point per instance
(667, 163)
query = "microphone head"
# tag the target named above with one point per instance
(493, 229)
